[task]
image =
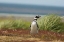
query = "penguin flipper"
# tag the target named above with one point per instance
(37, 25)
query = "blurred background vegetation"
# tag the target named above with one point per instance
(49, 23)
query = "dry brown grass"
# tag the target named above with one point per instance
(24, 36)
(22, 39)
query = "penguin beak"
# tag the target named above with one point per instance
(39, 16)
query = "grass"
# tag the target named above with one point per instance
(51, 23)
(24, 35)
(14, 24)
(48, 22)
(47, 25)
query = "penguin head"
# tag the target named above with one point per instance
(36, 17)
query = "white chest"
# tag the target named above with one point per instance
(34, 28)
(33, 25)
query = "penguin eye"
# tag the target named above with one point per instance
(37, 16)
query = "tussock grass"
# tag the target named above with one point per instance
(14, 24)
(51, 23)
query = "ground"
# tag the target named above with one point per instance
(25, 36)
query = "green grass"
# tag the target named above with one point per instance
(51, 23)
(14, 24)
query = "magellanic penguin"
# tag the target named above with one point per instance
(34, 26)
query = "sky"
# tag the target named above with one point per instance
(36, 2)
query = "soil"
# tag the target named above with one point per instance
(25, 36)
